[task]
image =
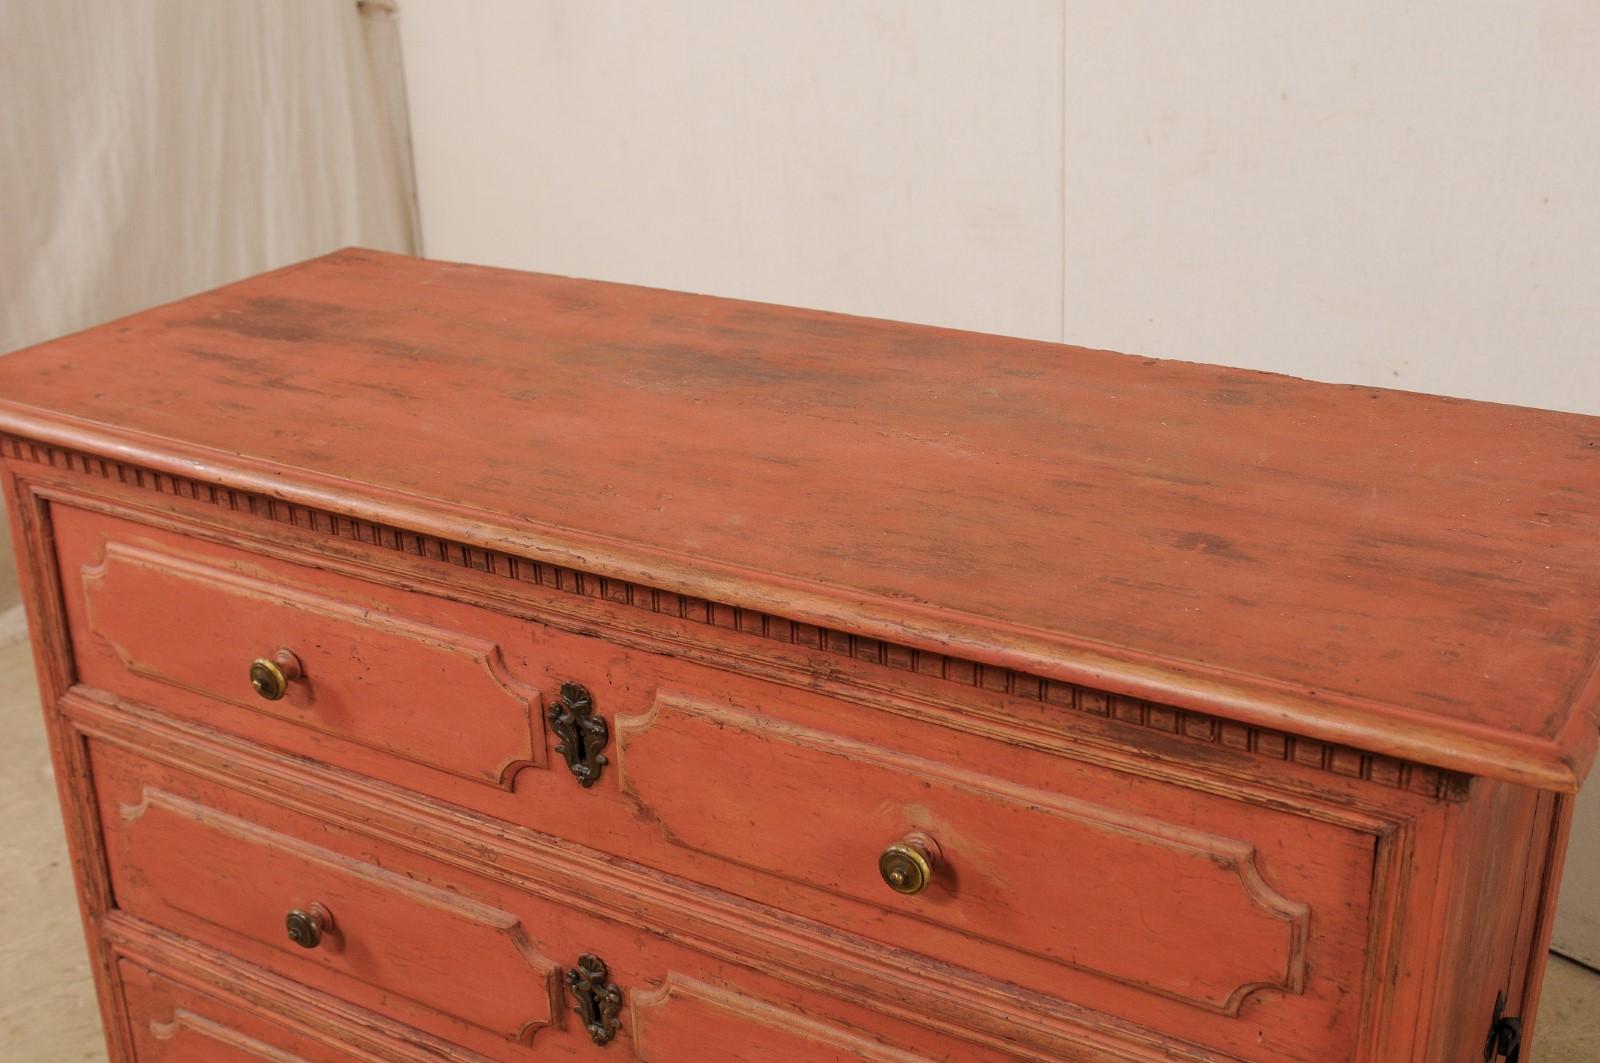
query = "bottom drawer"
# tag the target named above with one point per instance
(170, 1022)
(472, 960)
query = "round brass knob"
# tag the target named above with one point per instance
(307, 925)
(907, 865)
(270, 676)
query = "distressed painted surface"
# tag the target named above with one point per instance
(1199, 913)
(1253, 884)
(424, 963)
(171, 1023)
(1414, 572)
(371, 675)
(1017, 867)
(187, 865)
(10, 594)
(683, 1018)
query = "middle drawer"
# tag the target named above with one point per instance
(475, 962)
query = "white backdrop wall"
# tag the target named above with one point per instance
(1389, 194)
(154, 148)
(1396, 194)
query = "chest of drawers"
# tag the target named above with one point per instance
(451, 663)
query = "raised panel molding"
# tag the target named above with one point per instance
(362, 669)
(163, 969)
(676, 1020)
(236, 1044)
(393, 922)
(1135, 889)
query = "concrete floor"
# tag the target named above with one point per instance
(47, 1006)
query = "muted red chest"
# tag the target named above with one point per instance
(451, 663)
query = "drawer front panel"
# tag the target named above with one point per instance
(229, 878)
(457, 956)
(1175, 910)
(367, 671)
(685, 1019)
(171, 1023)
(1241, 927)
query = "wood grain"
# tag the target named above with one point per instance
(1103, 889)
(378, 678)
(684, 1018)
(568, 922)
(281, 522)
(1242, 714)
(1229, 541)
(172, 1023)
(161, 972)
(181, 863)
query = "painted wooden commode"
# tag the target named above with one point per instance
(453, 663)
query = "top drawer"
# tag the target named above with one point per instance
(350, 664)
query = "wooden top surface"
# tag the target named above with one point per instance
(1407, 574)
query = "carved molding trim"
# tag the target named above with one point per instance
(1151, 849)
(184, 1019)
(189, 969)
(508, 709)
(652, 1010)
(1186, 724)
(172, 821)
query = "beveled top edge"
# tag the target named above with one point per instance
(1369, 725)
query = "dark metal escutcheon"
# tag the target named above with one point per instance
(582, 733)
(599, 1001)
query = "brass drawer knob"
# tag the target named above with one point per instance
(307, 925)
(907, 865)
(271, 676)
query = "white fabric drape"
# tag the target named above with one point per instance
(153, 148)
(150, 149)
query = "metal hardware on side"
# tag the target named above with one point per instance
(1505, 1035)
